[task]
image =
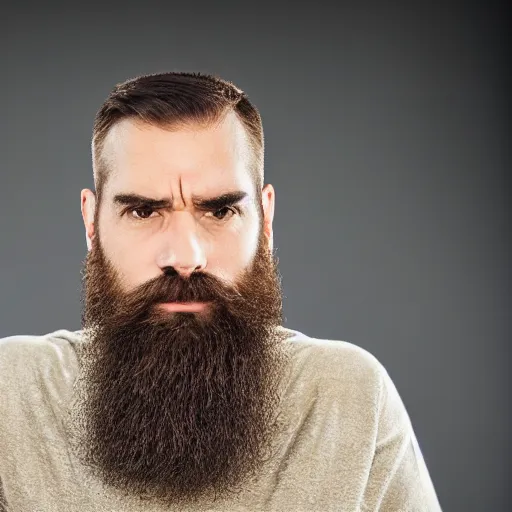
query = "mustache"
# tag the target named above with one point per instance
(172, 287)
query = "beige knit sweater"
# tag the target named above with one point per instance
(349, 447)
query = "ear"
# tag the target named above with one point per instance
(268, 201)
(88, 206)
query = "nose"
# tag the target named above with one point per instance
(182, 249)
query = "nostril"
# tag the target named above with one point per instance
(170, 271)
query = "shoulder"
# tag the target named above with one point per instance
(37, 376)
(23, 354)
(341, 375)
(340, 368)
(334, 359)
(337, 370)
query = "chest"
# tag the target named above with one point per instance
(322, 457)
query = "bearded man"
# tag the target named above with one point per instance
(183, 391)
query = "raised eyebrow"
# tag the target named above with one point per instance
(216, 203)
(203, 203)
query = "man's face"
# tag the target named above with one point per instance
(180, 167)
(182, 365)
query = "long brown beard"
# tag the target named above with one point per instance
(178, 406)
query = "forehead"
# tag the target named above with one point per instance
(150, 159)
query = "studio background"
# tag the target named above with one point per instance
(387, 143)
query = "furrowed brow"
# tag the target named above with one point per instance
(202, 203)
(139, 200)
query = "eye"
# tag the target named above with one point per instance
(223, 212)
(142, 212)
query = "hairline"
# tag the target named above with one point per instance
(102, 173)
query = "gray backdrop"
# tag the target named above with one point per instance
(386, 142)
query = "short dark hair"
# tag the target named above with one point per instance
(167, 99)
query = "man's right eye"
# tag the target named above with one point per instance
(140, 213)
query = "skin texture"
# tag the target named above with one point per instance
(178, 406)
(178, 164)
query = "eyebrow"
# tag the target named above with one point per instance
(200, 202)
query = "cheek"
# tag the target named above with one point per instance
(132, 264)
(227, 253)
(232, 254)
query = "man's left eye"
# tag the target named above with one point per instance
(223, 212)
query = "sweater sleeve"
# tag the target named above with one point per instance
(398, 479)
